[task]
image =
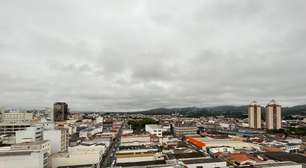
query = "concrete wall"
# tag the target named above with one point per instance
(33, 160)
(254, 116)
(54, 136)
(30, 134)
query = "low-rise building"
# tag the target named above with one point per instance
(127, 131)
(229, 144)
(280, 165)
(116, 125)
(284, 156)
(147, 164)
(154, 129)
(38, 145)
(180, 131)
(143, 139)
(79, 156)
(285, 146)
(204, 163)
(91, 131)
(220, 149)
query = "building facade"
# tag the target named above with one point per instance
(154, 129)
(10, 122)
(273, 115)
(180, 131)
(30, 134)
(58, 139)
(38, 145)
(254, 113)
(26, 155)
(60, 111)
(16, 117)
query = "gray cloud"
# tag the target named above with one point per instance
(115, 55)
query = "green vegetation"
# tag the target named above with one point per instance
(290, 131)
(226, 111)
(297, 131)
(138, 125)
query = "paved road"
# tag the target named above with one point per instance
(109, 155)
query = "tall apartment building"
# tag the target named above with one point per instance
(273, 115)
(254, 112)
(60, 111)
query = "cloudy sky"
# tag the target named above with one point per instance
(115, 55)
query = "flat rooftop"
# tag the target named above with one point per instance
(14, 153)
(185, 155)
(208, 160)
(77, 166)
(276, 164)
(141, 164)
(15, 124)
(154, 126)
(31, 143)
(212, 142)
(283, 156)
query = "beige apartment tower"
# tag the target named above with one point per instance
(273, 115)
(254, 115)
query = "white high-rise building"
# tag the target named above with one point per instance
(58, 139)
(26, 155)
(30, 134)
(254, 111)
(273, 115)
(16, 117)
(48, 113)
(10, 122)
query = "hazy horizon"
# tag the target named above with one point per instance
(138, 110)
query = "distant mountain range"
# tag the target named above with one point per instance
(227, 111)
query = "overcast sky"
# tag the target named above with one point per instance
(127, 55)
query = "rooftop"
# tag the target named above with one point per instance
(195, 161)
(212, 142)
(283, 156)
(253, 103)
(154, 126)
(14, 153)
(276, 164)
(273, 102)
(31, 143)
(185, 155)
(141, 164)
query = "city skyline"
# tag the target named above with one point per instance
(143, 84)
(136, 55)
(51, 107)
